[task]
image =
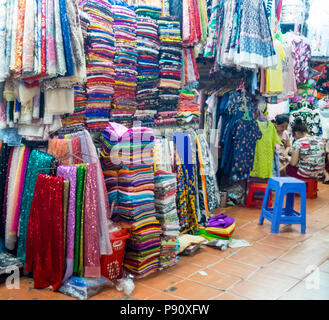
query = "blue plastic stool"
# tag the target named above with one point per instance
(279, 215)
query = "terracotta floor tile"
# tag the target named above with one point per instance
(191, 290)
(255, 291)
(278, 240)
(215, 279)
(204, 259)
(228, 296)
(286, 268)
(163, 296)
(234, 268)
(160, 280)
(325, 266)
(258, 254)
(183, 270)
(140, 292)
(301, 292)
(279, 281)
(303, 259)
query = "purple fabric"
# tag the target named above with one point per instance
(69, 173)
(221, 221)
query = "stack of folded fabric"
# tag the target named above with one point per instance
(121, 145)
(170, 63)
(166, 213)
(143, 248)
(188, 109)
(135, 197)
(78, 118)
(99, 63)
(220, 227)
(125, 61)
(148, 46)
(166, 117)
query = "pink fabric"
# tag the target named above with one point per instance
(91, 256)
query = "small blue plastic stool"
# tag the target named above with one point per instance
(279, 215)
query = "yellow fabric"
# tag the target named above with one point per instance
(186, 239)
(274, 80)
(228, 230)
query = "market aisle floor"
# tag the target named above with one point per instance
(285, 266)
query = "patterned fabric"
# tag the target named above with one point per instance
(311, 118)
(3, 16)
(312, 154)
(246, 135)
(208, 191)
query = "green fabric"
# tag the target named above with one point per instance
(210, 236)
(81, 173)
(264, 154)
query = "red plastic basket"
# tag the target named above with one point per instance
(111, 265)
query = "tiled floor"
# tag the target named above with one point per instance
(284, 266)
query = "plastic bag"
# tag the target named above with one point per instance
(84, 288)
(126, 285)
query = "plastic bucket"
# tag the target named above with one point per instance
(111, 265)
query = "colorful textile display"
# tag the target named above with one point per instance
(166, 213)
(148, 46)
(170, 63)
(188, 109)
(99, 62)
(143, 248)
(124, 26)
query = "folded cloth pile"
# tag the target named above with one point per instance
(99, 62)
(170, 62)
(165, 117)
(166, 213)
(135, 194)
(125, 60)
(78, 118)
(148, 46)
(219, 227)
(143, 248)
(188, 109)
(121, 145)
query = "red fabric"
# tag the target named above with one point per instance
(44, 242)
(291, 171)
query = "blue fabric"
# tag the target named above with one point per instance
(66, 39)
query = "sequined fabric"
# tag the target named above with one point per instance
(44, 241)
(69, 173)
(91, 243)
(4, 158)
(39, 162)
(66, 195)
(81, 172)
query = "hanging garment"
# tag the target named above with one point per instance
(80, 197)
(69, 173)
(16, 190)
(92, 267)
(39, 163)
(265, 147)
(246, 134)
(44, 241)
